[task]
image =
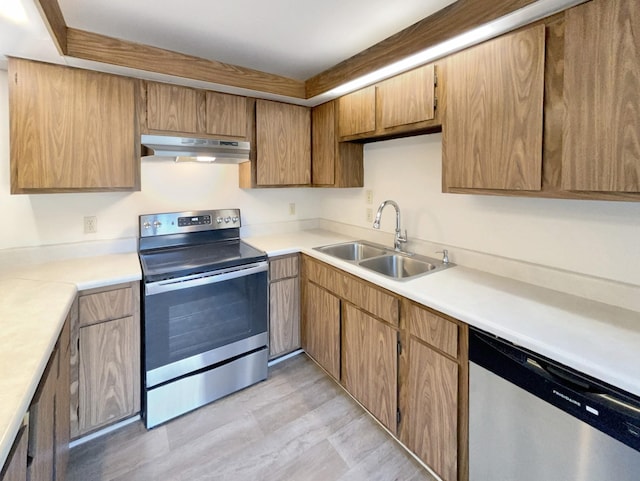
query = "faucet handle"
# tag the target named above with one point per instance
(445, 255)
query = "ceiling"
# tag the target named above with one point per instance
(292, 38)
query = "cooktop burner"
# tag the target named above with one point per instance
(180, 244)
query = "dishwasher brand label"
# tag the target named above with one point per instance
(567, 398)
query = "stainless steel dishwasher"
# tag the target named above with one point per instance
(531, 419)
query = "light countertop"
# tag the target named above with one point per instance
(34, 303)
(597, 339)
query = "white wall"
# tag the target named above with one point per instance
(592, 237)
(44, 219)
(596, 238)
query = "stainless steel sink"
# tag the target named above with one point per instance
(399, 266)
(353, 251)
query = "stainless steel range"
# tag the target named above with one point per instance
(205, 311)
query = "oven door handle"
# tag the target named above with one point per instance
(161, 287)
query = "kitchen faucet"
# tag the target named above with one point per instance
(399, 239)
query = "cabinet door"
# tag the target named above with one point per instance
(492, 130)
(63, 392)
(72, 129)
(321, 328)
(357, 112)
(172, 108)
(284, 317)
(601, 145)
(109, 372)
(370, 364)
(283, 144)
(15, 467)
(407, 98)
(430, 419)
(226, 114)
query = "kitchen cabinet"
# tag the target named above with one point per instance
(433, 391)
(284, 305)
(493, 121)
(72, 130)
(174, 109)
(369, 363)
(333, 163)
(321, 328)
(105, 368)
(601, 143)
(400, 105)
(15, 467)
(283, 144)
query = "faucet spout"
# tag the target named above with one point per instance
(400, 237)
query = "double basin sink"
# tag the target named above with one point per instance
(400, 266)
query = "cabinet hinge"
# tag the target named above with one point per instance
(398, 416)
(399, 348)
(435, 78)
(435, 103)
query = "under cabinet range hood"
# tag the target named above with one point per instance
(189, 149)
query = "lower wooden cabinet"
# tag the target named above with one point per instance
(105, 367)
(370, 363)
(15, 467)
(284, 305)
(406, 364)
(321, 328)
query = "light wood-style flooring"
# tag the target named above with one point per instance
(296, 426)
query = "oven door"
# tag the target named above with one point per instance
(198, 321)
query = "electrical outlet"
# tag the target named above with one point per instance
(369, 215)
(90, 224)
(292, 209)
(369, 197)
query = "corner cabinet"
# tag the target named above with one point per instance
(105, 358)
(493, 122)
(284, 305)
(402, 105)
(72, 130)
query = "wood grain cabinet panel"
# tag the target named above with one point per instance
(283, 267)
(284, 305)
(283, 144)
(226, 114)
(407, 98)
(333, 163)
(601, 144)
(172, 108)
(374, 300)
(72, 129)
(105, 306)
(15, 467)
(433, 329)
(357, 112)
(109, 380)
(321, 328)
(493, 122)
(369, 364)
(430, 420)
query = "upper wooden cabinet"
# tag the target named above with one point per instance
(283, 144)
(492, 128)
(400, 105)
(333, 163)
(177, 109)
(601, 144)
(72, 130)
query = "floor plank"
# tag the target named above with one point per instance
(299, 425)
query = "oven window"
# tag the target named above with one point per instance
(188, 322)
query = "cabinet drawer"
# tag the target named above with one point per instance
(432, 329)
(326, 276)
(375, 301)
(105, 306)
(283, 267)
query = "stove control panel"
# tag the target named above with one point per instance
(190, 221)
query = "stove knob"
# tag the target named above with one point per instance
(157, 224)
(219, 220)
(227, 220)
(147, 225)
(235, 219)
